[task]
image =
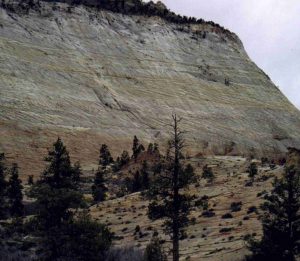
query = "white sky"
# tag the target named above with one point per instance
(269, 30)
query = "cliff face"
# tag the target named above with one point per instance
(95, 77)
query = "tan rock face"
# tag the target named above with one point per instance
(95, 76)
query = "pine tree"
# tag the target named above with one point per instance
(280, 221)
(135, 148)
(14, 193)
(57, 189)
(64, 236)
(3, 186)
(105, 156)
(168, 199)
(99, 189)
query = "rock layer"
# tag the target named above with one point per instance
(92, 77)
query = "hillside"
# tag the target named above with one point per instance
(93, 76)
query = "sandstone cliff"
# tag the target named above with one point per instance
(92, 76)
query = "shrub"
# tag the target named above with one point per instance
(236, 206)
(227, 216)
(225, 229)
(252, 209)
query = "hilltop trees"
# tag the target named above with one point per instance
(137, 148)
(281, 221)
(105, 156)
(14, 193)
(168, 200)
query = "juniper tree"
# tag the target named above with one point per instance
(280, 221)
(105, 156)
(168, 199)
(14, 193)
(3, 186)
(99, 189)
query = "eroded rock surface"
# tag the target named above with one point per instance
(95, 77)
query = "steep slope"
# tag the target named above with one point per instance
(93, 76)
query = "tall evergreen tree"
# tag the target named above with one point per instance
(64, 235)
(14, 193)
(105, 156)
(3, 186)
(57, 189)
(99, 189)
(168, 199)
(280, 221)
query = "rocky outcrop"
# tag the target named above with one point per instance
(93, 76)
